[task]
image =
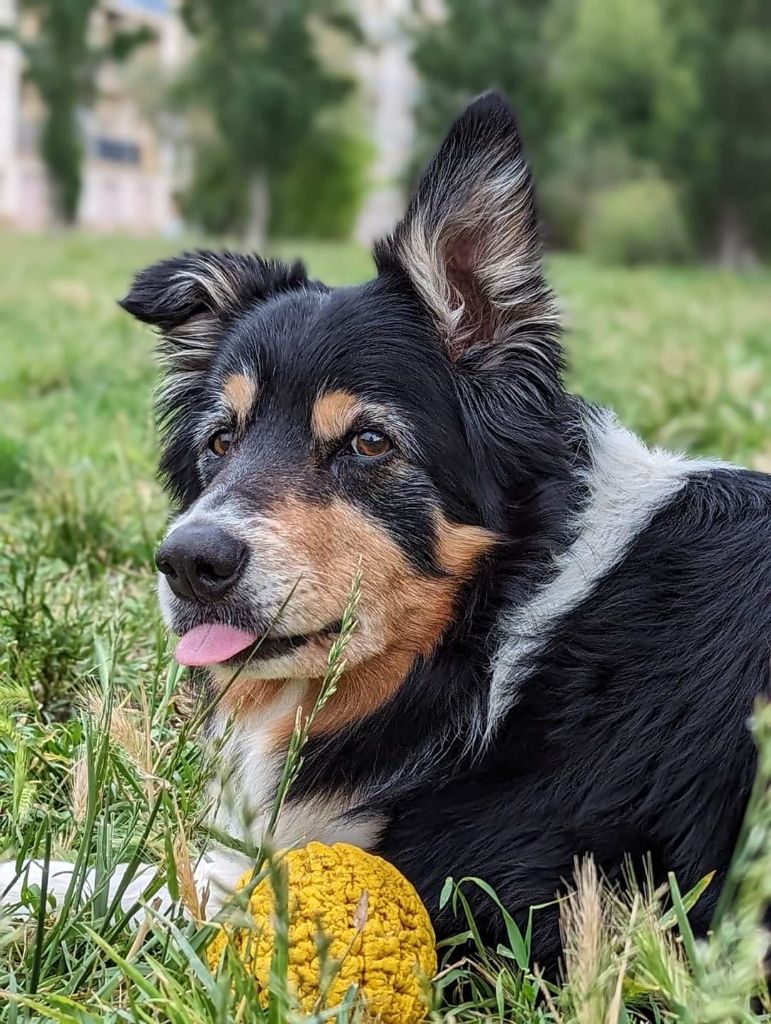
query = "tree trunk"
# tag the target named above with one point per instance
(734, 248)
(256, 232)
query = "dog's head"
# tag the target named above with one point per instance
(309, 432)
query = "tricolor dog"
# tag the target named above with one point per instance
(561, 632)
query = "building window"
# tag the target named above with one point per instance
(117, 151)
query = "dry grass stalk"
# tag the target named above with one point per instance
(80, 789)
(130, 729)
(588, 945)
(188, 888)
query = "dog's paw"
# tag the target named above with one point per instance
(216, 875)
(17, 901)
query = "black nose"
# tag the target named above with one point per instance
(201, 561)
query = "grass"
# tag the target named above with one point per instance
(95, 762)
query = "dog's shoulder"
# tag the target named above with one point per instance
(669, 560)
(730, 495)
(717, 528)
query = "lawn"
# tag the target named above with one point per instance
(92, 757)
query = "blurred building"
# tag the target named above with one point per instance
(131, 160)
(133, 146)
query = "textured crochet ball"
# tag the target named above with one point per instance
(375, 923)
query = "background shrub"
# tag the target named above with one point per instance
(578, 174)
(216, 198)
(636, 222)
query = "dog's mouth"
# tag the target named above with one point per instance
(213, 643)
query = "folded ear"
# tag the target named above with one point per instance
(192, 299)
(469, 241)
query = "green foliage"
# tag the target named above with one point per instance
(62, 64)
(566, 192)
(617, 73)
(216, 199)
(57, 59)
(600, 92)
(674, 88)
(320, 195)
(724, 160)
(259, 78)
(42, 624)
(481, 45)
(637, 222)
(14, 472)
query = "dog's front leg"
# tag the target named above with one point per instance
(216, 875)
(59, 880)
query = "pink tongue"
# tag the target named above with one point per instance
(210, 644)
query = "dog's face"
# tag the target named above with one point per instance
(316, 450)
(314, 434)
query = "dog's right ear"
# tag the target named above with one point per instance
(468, 243)
(193, 298)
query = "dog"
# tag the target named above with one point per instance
(561, 632)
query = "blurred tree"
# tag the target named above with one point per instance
(320, 195)
(637, 221)
(624, 96)
(724, 160)
(215, 199)
(478, 45)
(258, 75)
(616, 68)
(655, 93)
(62, 62)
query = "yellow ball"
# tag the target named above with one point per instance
(375, 923)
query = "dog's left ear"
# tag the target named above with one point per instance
(469, 240)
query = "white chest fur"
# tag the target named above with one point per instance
(245, 792)
(251, 769)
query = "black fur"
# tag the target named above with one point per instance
(629, 735)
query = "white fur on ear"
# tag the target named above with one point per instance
(469, 240)
(193, 297)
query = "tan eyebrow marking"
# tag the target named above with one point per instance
(239, 392)
(333, 414)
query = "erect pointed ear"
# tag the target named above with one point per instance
(469, 241)
(193, 298)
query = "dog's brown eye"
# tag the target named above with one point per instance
(220, 442)
(370, 443)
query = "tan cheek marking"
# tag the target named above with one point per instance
(332, 414)
(244, 693)
(413, 610)
(461, 547)
(239, 392)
